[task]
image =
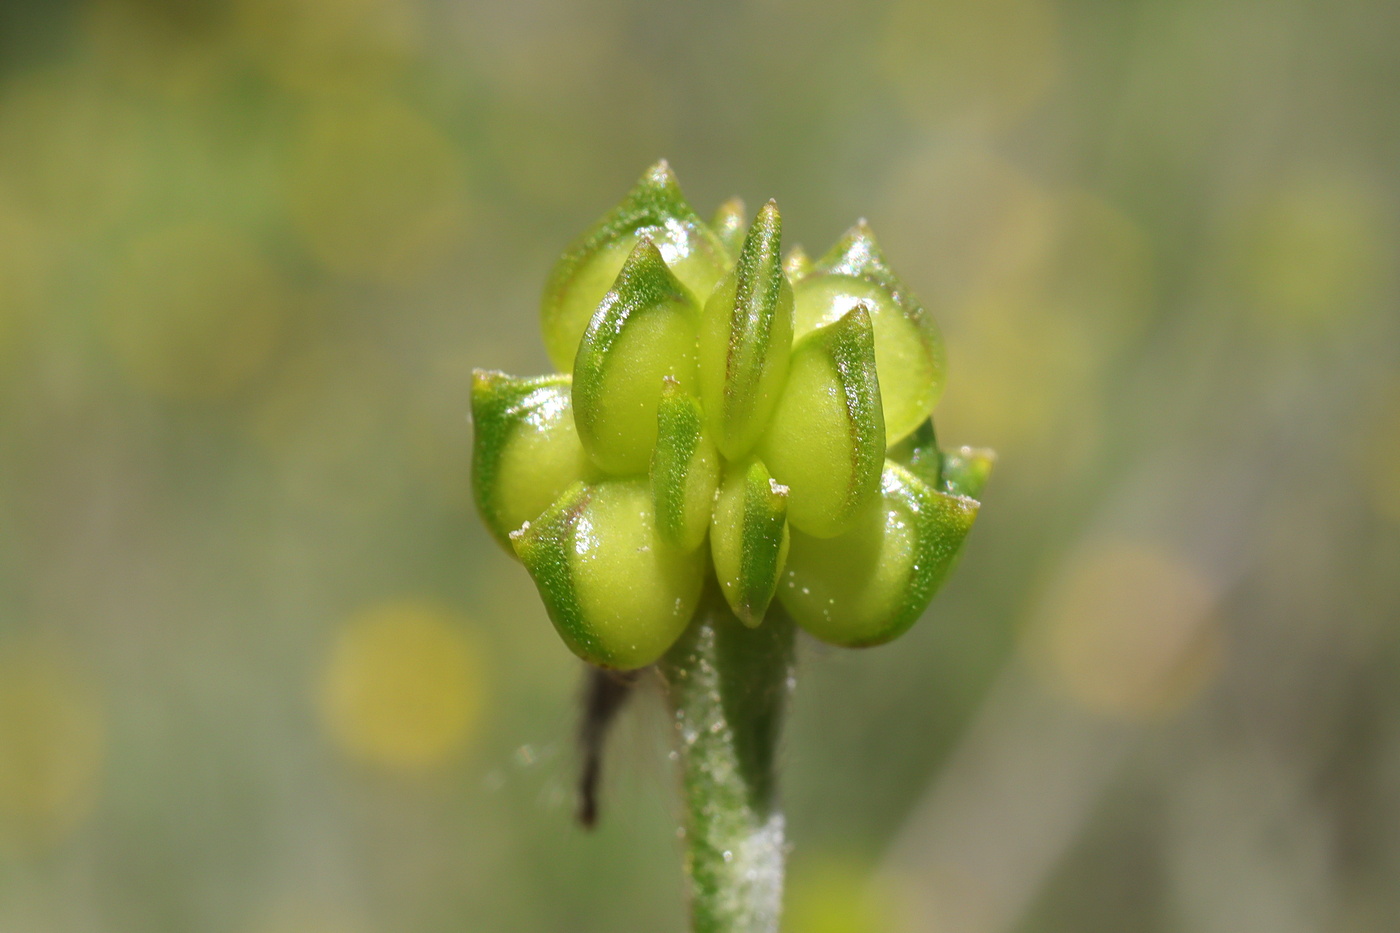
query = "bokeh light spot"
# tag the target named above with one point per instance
(1128, 631)
(403, 687)
(24, 268)
(69, 149)
(1026, 383)
(377, 192)
(1313, 254)
(192, 312)
(831, 895)
(51, 746)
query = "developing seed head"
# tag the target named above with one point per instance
(727, 414)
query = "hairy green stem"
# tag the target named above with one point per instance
(728, 685)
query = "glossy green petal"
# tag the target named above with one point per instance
(730, 225)
(965, 471)
(826, 441)
(525, 451)
(616, 593)
(870, 584)
(749, 539)
(654, 208)
(642, 333)
(745, 338)
(685, 470)
(908, 346)
(918, 453)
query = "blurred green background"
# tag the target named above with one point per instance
(262, 671)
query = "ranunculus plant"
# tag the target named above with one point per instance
(735, 442)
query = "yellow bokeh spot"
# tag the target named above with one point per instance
(1026, 383)
(192, 312)
(24, 272)
(69, 149)
(1313, 254)
(979, 64)
(832, 895)
(403, 686)
(51, 746)
(1040, 291)
(1128, 631)
(376, 192)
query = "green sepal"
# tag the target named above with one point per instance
(797, 264)
(642, 333)
(729, 225)
(745, 339)
(525, 450)
(749, 538)
(869, 585)
(965, 471)
(919, 454)
(617, 594)
(654, 208)
(685, 469)
(826, 440)
(908, 345)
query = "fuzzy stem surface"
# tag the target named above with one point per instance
(728, 687)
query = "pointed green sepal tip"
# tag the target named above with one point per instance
(871, 584)
(797, 264)
(919, 454)
(749, 539)
(654, 208)
(617, 594)
(642, 333)
(826, 441)
(685, 469)
(745, 338)
(908, 345)
(729, 225)
(965, 471)
(525, 450)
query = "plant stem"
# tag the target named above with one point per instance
(728, 685)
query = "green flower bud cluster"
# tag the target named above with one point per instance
(723, 411)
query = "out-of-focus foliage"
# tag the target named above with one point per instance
(261, 671)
